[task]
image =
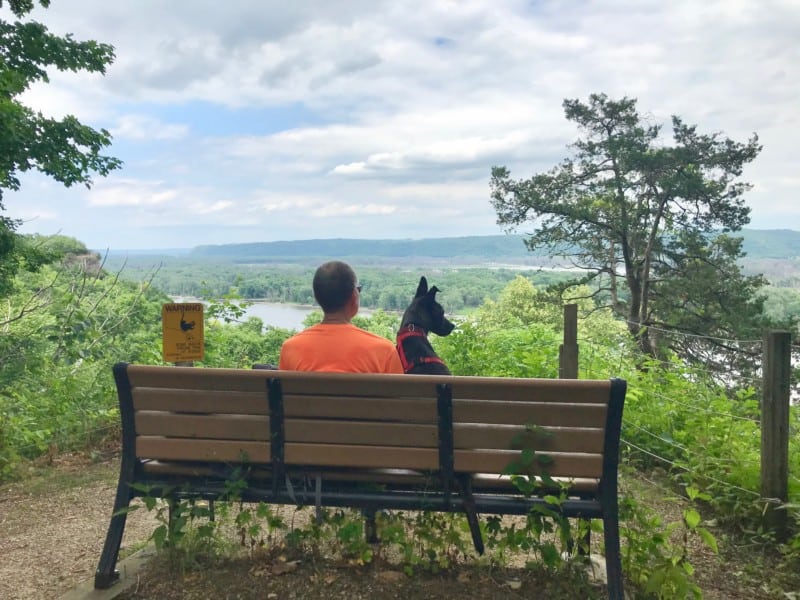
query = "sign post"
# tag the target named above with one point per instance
(182, 332)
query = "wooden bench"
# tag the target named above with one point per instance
(431, 442)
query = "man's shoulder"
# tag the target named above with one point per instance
(300, 335)
(378, 339)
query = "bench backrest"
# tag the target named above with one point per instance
(340, 420)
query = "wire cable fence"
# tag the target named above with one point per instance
(705, 394)
(680, 467)
(686, 334)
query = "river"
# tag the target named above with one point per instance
(287, 316)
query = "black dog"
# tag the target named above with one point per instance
(424, 314)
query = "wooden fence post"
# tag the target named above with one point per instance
(775, 430)
(568, 351)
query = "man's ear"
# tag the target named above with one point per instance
(422, 288)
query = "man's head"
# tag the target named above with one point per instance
(334, 285)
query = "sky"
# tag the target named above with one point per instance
(254, 121)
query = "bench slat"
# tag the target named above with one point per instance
(361, 433)
(191, 378)
(530, 413)
(370, 408)
(344, 455)
(200, 401)
(294, 382)
(478, 435)
(355, 384)
(193, 450)
(572, 391)
(575, 391)
(213, 426)
(496, 461)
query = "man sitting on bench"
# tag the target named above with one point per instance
(336, 344)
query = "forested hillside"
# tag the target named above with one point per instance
(492, 247)
(470, 269)
(758, 244)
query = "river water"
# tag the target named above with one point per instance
(288, 316)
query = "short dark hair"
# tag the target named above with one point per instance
(334, 283)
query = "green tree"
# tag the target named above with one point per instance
(63, 149)
(648, 222)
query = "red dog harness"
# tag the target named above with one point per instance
(409, 331)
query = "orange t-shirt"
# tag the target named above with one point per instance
(342, 347)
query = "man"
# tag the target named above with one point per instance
(336, 344)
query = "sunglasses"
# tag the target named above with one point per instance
(358, 287)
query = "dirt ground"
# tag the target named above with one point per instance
(52, 527)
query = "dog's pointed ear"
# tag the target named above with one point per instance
(432, 292)
(422, 288)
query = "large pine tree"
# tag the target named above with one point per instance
(649, 221)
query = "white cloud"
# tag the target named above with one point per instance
(365, 115)
(338, 209)
(216, 207)
(143, 127)
(130, 193)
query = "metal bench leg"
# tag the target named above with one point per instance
(616, 590)
(106, 574)
(465, 483)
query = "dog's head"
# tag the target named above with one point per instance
(426, 312)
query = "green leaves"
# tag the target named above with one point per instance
(708, 538)
(692, 518)
(638, 215)
(23, 7)
(63, 149)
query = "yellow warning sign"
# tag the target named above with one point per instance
(182, 331)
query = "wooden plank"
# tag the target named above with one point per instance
(530, 413)
(487, 388)
(361, 433)
(205, 378)
(327, 455)
(577, 391)
(505, 437)
(368, 408)
(200, 401)
(200, 450)
(496, 461)
(213, 426)
(356, 384)
(295, 382)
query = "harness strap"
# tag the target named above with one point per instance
(409, 331)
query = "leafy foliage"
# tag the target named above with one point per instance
(63, 149)
(643, 219)
(63, 328)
